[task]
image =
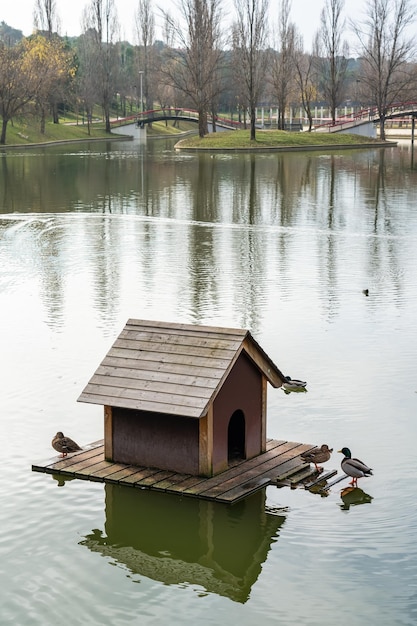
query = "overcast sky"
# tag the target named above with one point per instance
(19, 14)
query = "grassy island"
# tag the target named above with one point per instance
(277, 140)
(25, 133)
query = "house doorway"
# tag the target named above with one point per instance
(236, 437)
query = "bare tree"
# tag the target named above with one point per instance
(46, 20)
(45, 17)
(386, 49)
(192, 68)
(100, 17)
(145, 33)
(249, 46)
(86, 84)
(282, 63)
(305, 78)
(332, 54)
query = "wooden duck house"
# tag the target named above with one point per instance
(183, 397)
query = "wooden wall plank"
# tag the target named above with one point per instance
(108, 433)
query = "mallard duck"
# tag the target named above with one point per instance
(354, 467)
(318, 455)
(64, 445)
(293, 384)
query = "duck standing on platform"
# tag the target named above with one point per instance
(293, 384)
(354, 467)
(64, 445)
(318, 455)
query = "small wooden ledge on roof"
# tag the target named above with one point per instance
(183, 397)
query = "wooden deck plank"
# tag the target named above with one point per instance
(58, 463)
(271, 467)
(280, 460)
(105, 469)
(235, 493)
(185, 484)
(135, 479)
(152, 480)
(274, 456)
(172, 481)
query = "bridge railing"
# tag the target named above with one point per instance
(369, 114)
(155, 115)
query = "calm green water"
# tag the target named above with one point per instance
(91, 235)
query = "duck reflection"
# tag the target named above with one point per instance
(175, 540)
(351, 496)
(61, 480)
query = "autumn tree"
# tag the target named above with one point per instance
(192, 67)
(385, 48)
(332, 54)
(54, 67)
(249, 51)
(19, 82)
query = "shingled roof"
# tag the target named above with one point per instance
(172, 368)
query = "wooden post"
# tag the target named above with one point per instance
(108, 433)
(263, 416)
(205, 447)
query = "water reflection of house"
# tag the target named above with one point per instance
(183, 540)
(183, 397)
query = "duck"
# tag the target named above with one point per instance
(293, 384)
(318, 455)
(354, 467)
(64, 445)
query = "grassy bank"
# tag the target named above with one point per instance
(269, 139)
(23, 132)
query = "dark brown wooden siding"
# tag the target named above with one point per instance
(155, 440)
(241, 391)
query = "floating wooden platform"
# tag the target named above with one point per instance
(280, 461)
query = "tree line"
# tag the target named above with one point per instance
(203, 65)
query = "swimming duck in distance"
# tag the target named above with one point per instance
(64, 445)
(354, 467)
(318, 455)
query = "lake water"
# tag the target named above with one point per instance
(281, 244)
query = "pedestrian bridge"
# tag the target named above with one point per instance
(366, 119)
(141, 119)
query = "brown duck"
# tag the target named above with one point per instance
(64, 445)
(318, 455)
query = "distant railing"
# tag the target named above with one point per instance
(364, 116)
(171, 113)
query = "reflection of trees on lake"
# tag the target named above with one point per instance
(218, 231)
(215, 547)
